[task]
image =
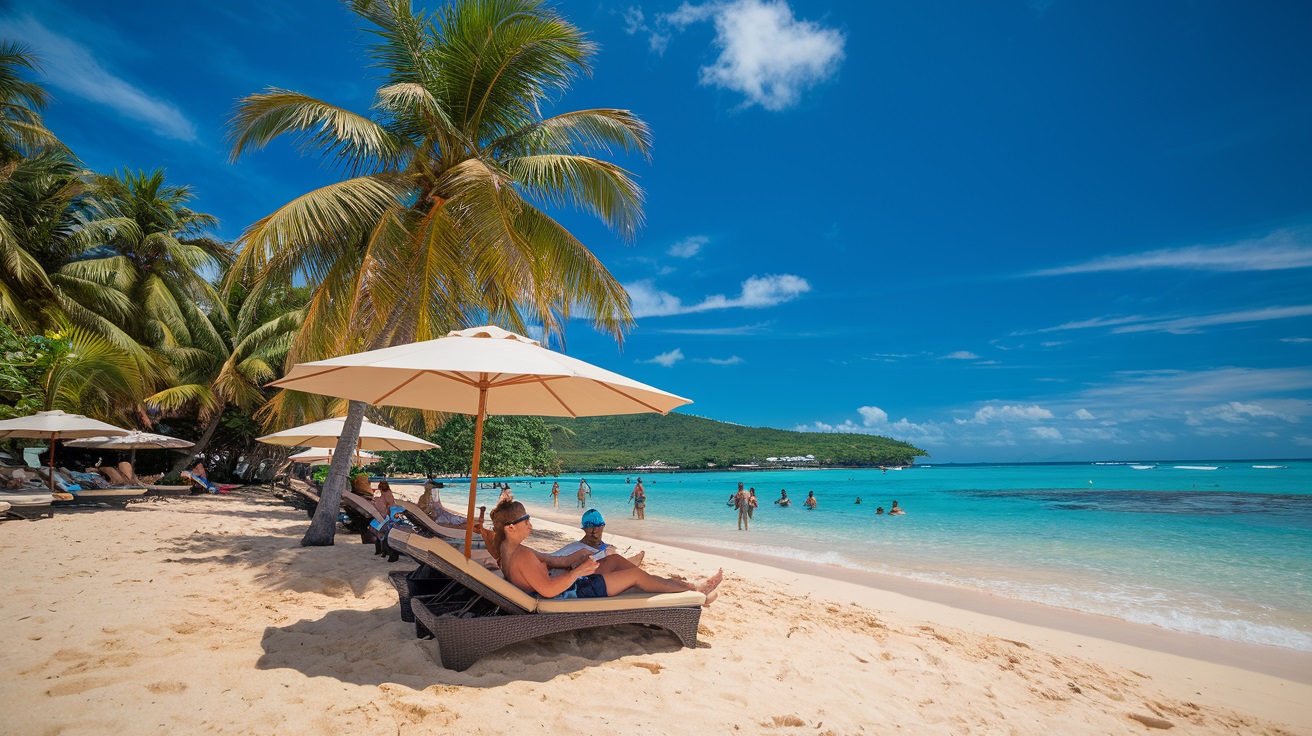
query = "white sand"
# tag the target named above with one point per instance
(204, 615)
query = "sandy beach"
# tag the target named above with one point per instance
(204, 615)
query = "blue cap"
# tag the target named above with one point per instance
(591, 518)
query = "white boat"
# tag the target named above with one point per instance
(1195, 467)
(1143, 467)
(1270, 467)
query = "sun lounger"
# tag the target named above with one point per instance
(354, 504)
(445, 531)
(479, 612)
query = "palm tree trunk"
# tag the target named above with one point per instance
(323, 527)
(190, 457)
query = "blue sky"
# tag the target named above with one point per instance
(1003, 231)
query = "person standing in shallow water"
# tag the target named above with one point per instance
(555, 495)
(810, 501)
(743, 502)
(639, 498)
(585, 490)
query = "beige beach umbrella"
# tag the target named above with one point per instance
(324, 455)
(324, 433)
(479, 371)
(133, 441)
(56, 425)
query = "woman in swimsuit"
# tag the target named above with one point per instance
(525, 568)
(639, 498)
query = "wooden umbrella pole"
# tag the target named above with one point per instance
(473, 473)
(52, 462)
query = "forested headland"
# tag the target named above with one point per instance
(602, 443)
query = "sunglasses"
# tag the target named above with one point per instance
(516, 521)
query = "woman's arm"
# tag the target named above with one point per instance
(545, 585)
(563, 562)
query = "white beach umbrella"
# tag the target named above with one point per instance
(324, 455)
(325, 433)
(133, 441)
(479, 371)
(56, 425)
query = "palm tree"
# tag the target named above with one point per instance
(22, 132)
(38, 185)
(143, 260)
(247, 355)
(438, 223)
(69, 368)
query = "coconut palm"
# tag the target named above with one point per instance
(22, 132)
(143, 263)
(38, 185)
(247, 355)
(438, 222)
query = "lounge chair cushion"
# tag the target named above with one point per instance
(622, 602)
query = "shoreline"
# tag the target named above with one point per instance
(208, 616)
(1277, 662)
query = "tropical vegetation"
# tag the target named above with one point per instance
(690, 442)
(117, 299)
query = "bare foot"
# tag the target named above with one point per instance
(712, 583)
(710, 597)
(637, 559)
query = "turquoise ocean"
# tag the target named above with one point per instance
(1225, 552)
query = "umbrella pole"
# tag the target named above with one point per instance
(52, 462)
(473, 473)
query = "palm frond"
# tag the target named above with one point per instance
(595, 186)
(583, 131)
(343, 137)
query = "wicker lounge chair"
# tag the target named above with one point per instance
(478, 612)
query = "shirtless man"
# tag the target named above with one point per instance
(810, 501)
(742, 500)
(523, 567)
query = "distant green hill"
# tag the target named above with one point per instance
(605, 443)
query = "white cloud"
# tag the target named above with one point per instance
(666, 359)
(757, 291)
(1296, 339)
(1282, 249)
(872, 415)
(731, 360)
(755, 329)
(688, 247)
(1047, 433)
(766, 53)
(1007, 413)
(1234, 412)
(71, 67)
(961, 355)
(875, 421)
(1179, 325)
(633, 20)
(1083, 414)
(1185, 325)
